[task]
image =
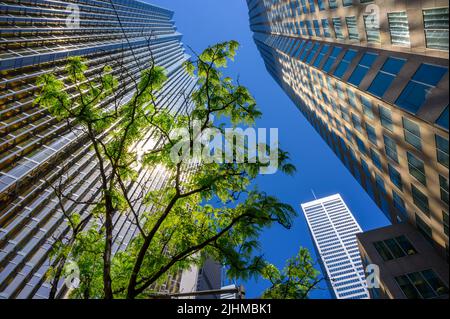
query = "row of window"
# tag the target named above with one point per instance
(435, 22)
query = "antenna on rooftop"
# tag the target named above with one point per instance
(312, 191)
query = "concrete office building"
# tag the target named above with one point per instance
(333, 230)
(409, 266)
(36, 149)
(372, 78)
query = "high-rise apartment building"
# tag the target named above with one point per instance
(372, 78)
(333, 230)
(38, 151)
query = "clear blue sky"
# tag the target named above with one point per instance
(206, 22)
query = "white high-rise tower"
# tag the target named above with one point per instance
(333, 229)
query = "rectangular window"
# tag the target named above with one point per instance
(356, 122)
(443, 183)
(442, 150)
(399, 203)
(326, 28)
(416, 168)
(421, 285)
(312, 7)
(445, 222)
(390, 148)
(333, 4)
(371, 134)
(372, 28)
(337, 24)
(395, 177)
(321, 5)
(386, 76)
(376, 159)
(442, 120)
(344, 64)
(361, 146)
(367, 107)
(422, 83)
(363, 67)
(309, 27)
(386, 118)
(420, 200)
(352, 26)
(399, 28)
(412, 133)
(436, 28)
(352, 99)
(331, 59)
(312, 53)
(317, 28)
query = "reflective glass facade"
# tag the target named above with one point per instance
(38, 151)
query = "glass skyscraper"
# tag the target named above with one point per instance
(372, 78)
(333, 230)
(38, 152)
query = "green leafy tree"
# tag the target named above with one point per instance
(295, 281)
(203, 209)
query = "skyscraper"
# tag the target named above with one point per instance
(333, 229)
(372, 78)
(38, 151)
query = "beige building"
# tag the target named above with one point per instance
(372, 78)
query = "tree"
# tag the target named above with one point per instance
(205, 208)
(296, 279)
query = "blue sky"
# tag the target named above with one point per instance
(206, 22)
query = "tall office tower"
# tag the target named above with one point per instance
(372, 78)
(38, 151)
(333, 229)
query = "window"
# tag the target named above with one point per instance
(399, 203)
(436, 28)
(390, 148)
(363, 67)
(312, 53)
(442, 121)
(399, 29)
(442, 150)
(420, 200)
(443, 182)
(333, 4)
(395, 177)
(376, 158)
(331, 59)
(338, 28)
(416, 168)
(326, 28)
(386, 76)
(386, 118)
(445, 222)
(351, 98)
(317, 28)
(412, 133)
(420, 86)
(395, 248)
(361, 146)
(371, 134)
(352, 26)
(346, 60)
(356, 122)
(367, 107)
(321, 5)
(312, 7)
(309, 27)
(421, 285)
(372, 28)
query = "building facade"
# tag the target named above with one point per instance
(372, 78)
(38, 151)
(333, 230)
(408, 267)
